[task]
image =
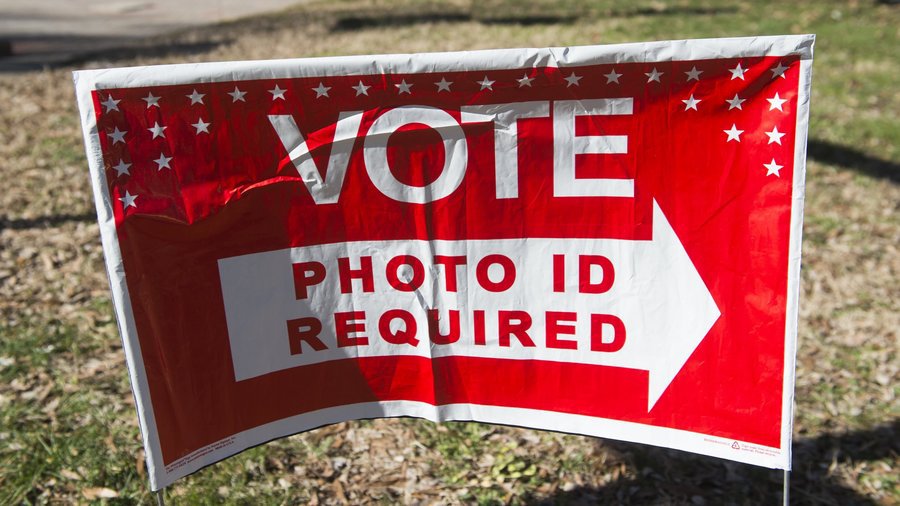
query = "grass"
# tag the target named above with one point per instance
(62, 422)
(68, 432)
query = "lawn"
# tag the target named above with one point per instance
(68, 429)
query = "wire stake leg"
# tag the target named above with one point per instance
(786, 492)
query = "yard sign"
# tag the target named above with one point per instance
(601, 240)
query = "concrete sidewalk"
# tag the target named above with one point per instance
(41, 33)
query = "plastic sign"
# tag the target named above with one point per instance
(599, 240)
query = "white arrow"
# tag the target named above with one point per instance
(683, 308)
(669, 309)
(657, 293)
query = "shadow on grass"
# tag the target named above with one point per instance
(499, 13)
(681, 10)
(672, 477)
(387, 20)
(38, 52)
(853, 159)
(353, 23)
(44, 221)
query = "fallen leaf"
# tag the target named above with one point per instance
(340, 493)
(69, 474)
(140, 463)
(99, 493)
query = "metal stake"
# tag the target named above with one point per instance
(786, 493)
(160, 499)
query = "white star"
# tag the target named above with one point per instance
(486, 84)
(196, 98)
(735, 103)
(653, 75)
(117, 135)
(775, 136)
(157, 130)
(691, 103)
(778, 71)
(128, 200)
(612, 77)
(693, 74)
(737, 72)
(163, 162)
(321, 90)
(361, 89)
(151, 100)
(201, 126)
(572, 79)
(443, 84)
(237, 95)
(776, 103)
(525, 81)
(403, 87)
(111, 104)
(122, 168)
(277, 93)
(734, 134)
(773, 168)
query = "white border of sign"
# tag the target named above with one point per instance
(88, 80)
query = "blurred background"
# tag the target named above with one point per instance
(68, 430)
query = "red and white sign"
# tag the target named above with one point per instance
(600, 240)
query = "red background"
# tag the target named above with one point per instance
(233, 191)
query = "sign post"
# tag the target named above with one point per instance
(600, 240)
(786, 490)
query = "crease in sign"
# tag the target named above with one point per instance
(325, 191)
(456, 153)
(506, 147)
